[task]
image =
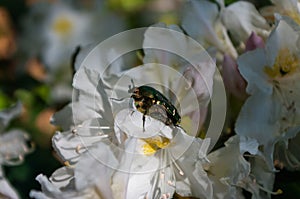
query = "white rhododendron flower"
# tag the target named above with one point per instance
(241, 19)
(13, 148)
(132, 155)
(149, 158)
(271, 113)
(290, 8)
(208, 23)
(201, 20)
(230, 172)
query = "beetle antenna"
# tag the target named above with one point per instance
(131, 88)
(132, 82)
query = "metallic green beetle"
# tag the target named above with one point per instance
(150, 101)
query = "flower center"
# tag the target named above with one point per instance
(285, 63)
(62, 26)
(154, 144)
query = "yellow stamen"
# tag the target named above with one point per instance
(285, 64)
(154, 144)
(62, 26)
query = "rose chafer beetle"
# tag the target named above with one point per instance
(150, 101)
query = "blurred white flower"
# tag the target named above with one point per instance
(53, 30)
(62, 26)
(202, 21)
(241, 19)
(289, 10)
(208, 23)
(13, 148)
(272, 74)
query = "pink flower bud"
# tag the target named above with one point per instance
(233, 80)
(254, 41)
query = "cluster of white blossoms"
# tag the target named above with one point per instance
(111, 150)
(13, 147)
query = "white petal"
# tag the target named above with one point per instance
(194, 180)
(248, 144)
(263, 176)
(64, 117)
(175, 42)
(227, 168)
(187, 152)
(54, 191)
(286, 151)
(47, 187)
(209, 30)
(241, 19)
(83, 53)
(91, 94)
(183, 145)
(38, 195)
(205, 14)
(162, 56)
(260, 112)
(70, 145)
(134, 176)
(103, 161)
(253, 71)
(282, 37)
(65, 145)
(194, 89)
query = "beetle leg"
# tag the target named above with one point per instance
(137, 107)
(144, 120)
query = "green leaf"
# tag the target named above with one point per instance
(5, 102)
(43, 92)
(25, 96)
